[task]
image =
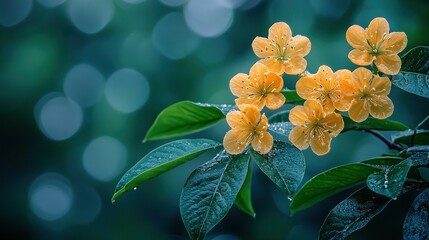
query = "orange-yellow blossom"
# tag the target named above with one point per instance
(370, 96)
(260, 88)
(332, 90)
(248, 127)
(281, 52)
(314, 127)
(375, 43)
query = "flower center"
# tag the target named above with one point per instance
(363, 94)
(283, 58)
(375, 51)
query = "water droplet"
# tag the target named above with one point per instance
(135, 188)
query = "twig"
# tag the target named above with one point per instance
(422, 122)
(389, 144)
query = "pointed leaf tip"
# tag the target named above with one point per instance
(210, 192)
(184, 118)
(162, 159)
(284, 165)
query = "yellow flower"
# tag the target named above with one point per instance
(314, 127)
(260, 88)
(332, 90)
(248, 127)
(375, 43)
(371, 96)
(281, 52)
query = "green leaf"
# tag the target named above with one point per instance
(383, 162)
(292, 97)
(279, 123)
(284, 165)
(210, 192)
(329, 183)
(279, 117)
(419, 159)
(184, 118)
(421, 137)
(413, 76)
(373, 123)
(389, 181)
(244, 198)
(282, 128)
(416, 224)
(356, 211)
(416, 60)
(162, 159)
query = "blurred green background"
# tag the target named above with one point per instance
(81, 81)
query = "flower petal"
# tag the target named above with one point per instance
(381, 85)
(298, 116)
(257, 70)
(328, 105)
(307, 87)
(275, 100)
(314, 110)
(359, 111)
(348, 90)
(378, 28)
(280, 33)
(333, 123)
(252, 113)
(299, 137)
(295, 65)
(236, 141)
(257, 101)
(263, 124)
(299, 46)
(360, 57)
(237, 119)
(362, 76)
(273, 65)
(321, 143)
(388, 64)
(263, 47)
(263, 143)
(381, 107)
(274, 83)
(238, 84)
(356, 37)
(394, 43)
(324, 77)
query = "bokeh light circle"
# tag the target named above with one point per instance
(90, 16)
(13, 12)
(104, 158)
(51, 3)
(59, 118)
(87, 204)
(173, 3)
(127, 90)
(84, 84)
(208, 18)
(133, 1)
(172, 38)
(330, 8)
(50, 197)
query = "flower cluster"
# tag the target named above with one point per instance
(360, 92)
(280, 53)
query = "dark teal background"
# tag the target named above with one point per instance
(47, 190)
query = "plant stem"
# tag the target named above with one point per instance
(415, 130)
(389, 144)
(374, 69)
(422, 122)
